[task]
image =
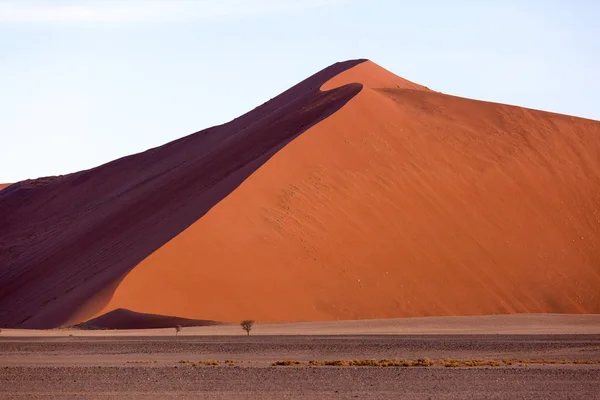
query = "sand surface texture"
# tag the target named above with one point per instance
(354, 195)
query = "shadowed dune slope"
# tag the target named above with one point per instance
(127, 319)
(3, 185)
(406, 202)
(67, 241)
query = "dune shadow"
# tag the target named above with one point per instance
(126, 319)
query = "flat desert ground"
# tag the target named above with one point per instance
(552, 356)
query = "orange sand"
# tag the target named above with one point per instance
(405, 202)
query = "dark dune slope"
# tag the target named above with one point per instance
(127, 319)
(67, 239)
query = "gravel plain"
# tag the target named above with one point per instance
(161, 367)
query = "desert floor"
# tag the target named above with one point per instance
(156, 364)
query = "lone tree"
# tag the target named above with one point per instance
(177, 329)
(247, 325)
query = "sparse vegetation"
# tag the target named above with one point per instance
(142, 362)
(425, 362)
(178, 329)
(422, 362)
(476, 363)
(337, 363)
(402, 363)
(207, 363)
(247, 325)
(286, 363)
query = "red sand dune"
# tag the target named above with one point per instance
(3, 185)
(373, 198)
(127, 319)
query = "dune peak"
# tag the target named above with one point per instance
(371, 75)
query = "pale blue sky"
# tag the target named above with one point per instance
(84, 82)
